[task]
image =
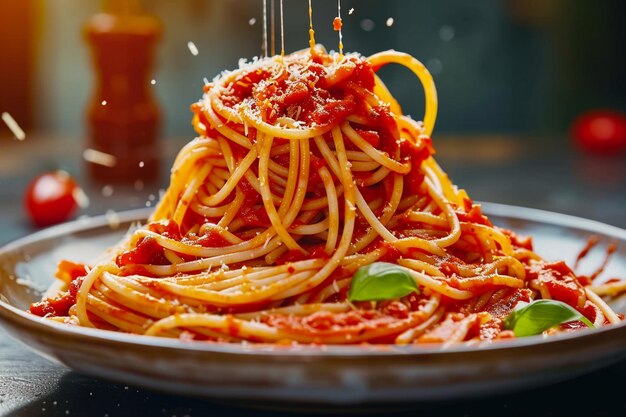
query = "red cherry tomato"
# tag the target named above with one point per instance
(50, 198)
(601, 132)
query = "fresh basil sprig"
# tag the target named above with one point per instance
(381, 281)
(541, 315)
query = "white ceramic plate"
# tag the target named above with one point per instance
(325, 375)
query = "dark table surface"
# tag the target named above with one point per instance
(502, 170)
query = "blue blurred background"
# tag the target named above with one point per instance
(505, 66)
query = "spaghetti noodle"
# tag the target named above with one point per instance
(305, 170)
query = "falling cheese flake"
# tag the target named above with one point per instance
(252, 21)
(113, 219)
(141, 164)
(192, 48)
(351, 11)
(104, 102)
(100, 158)
(389, 22)
(13, 126)
(80, 198)
(153, 81)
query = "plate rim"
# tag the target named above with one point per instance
(20, 318)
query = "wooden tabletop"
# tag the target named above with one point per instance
(503, 170)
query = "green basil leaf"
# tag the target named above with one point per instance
(540, 315)
(381, 281)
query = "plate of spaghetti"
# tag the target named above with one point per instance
(310, 248)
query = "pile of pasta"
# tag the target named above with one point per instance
(304, 174)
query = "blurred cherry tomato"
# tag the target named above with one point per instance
(50, 198)
(601, 132)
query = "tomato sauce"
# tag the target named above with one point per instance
(147, 252)
(559, 279)
(301, 91)
(416, 154)
(166, 228)
(524, 242)
(474, 215)
(60, 305)
(212, 239)
(68, 271)
(315, 181)
(390, 253)
(327, 323)
(294, 255)
(337, 24)
(503, 306)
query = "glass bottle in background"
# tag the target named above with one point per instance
(123, 116)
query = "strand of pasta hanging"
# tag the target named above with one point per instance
(282, 30)
(311, 31)
(337, 26)
(273, 27)
(265, 46)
